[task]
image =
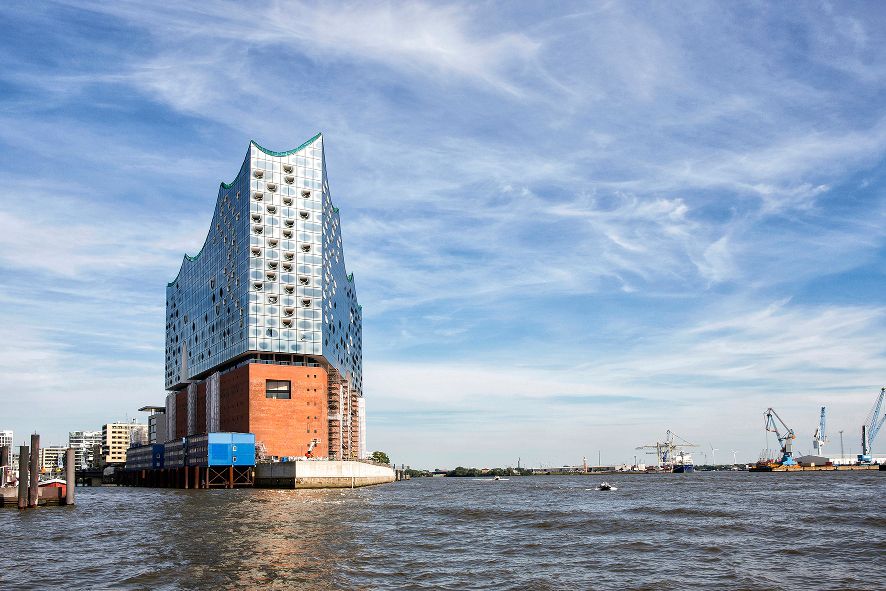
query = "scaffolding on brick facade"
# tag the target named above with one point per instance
(344, 436)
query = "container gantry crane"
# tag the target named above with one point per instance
(871, 427)
(786, 440)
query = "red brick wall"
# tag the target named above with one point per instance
(286, 427)
(201, 408)
(181, 413)
(234, 401)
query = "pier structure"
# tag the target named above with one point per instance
(210, 460)
(29, 491)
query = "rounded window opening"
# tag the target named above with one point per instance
(289, 289)
(257, 285)
(271, 276)
(306, 303)
(287, 266)
(272, 299)
(287, 233)
(306, 248)
(256, 252)
(272, 265)
(272, 209)
(258, 230)
(256, 218)
(289, 223)
(258, 196)
(258, 173)
(304, 280)
(287, 168)
(287, 201)
(273, 242)
(288, 256)
(306, 194)
(289, 179)
(304, 215)
(271, 187)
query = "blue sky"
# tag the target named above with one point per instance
(570, 230)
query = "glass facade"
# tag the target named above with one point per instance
(270, 277)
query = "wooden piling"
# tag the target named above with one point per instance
(70, 477)
(23, 477)
(34, 490)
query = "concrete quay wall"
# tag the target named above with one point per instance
(321, 474)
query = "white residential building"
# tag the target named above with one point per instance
(84, 443)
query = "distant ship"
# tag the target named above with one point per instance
(683, 463)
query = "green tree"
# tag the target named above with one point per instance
(380, 457)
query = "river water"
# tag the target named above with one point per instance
(669, 531)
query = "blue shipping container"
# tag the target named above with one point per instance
(221, 449)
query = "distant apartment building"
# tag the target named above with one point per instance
(138, 435)
(263, 328)
(84, 444)
(52, 458)
(116, 439)
(6, 438)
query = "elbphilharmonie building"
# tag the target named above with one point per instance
(263, 329)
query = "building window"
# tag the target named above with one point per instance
(278, 389)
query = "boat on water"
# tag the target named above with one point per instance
(606, 486)
(683, 463)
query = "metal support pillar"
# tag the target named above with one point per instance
(187, 471)
(34, 490)
(23, 477)
(70, 479)
(231, 477)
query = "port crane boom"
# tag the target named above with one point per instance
(786, 440)
(819, 439)
(871, 427)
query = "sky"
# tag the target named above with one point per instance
(573, 226)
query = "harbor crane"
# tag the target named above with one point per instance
(669, 453)
(819, 439)
(871, 427)
(786, 440)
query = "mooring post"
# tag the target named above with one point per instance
(23, 477)
(4, 463)
(70, 477)
(35, 470)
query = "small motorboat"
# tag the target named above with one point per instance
(605, 486)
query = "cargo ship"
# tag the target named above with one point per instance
(683, 463)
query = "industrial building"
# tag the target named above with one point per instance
(263, 329)
(156, 423)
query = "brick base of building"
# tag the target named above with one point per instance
(285, 427)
